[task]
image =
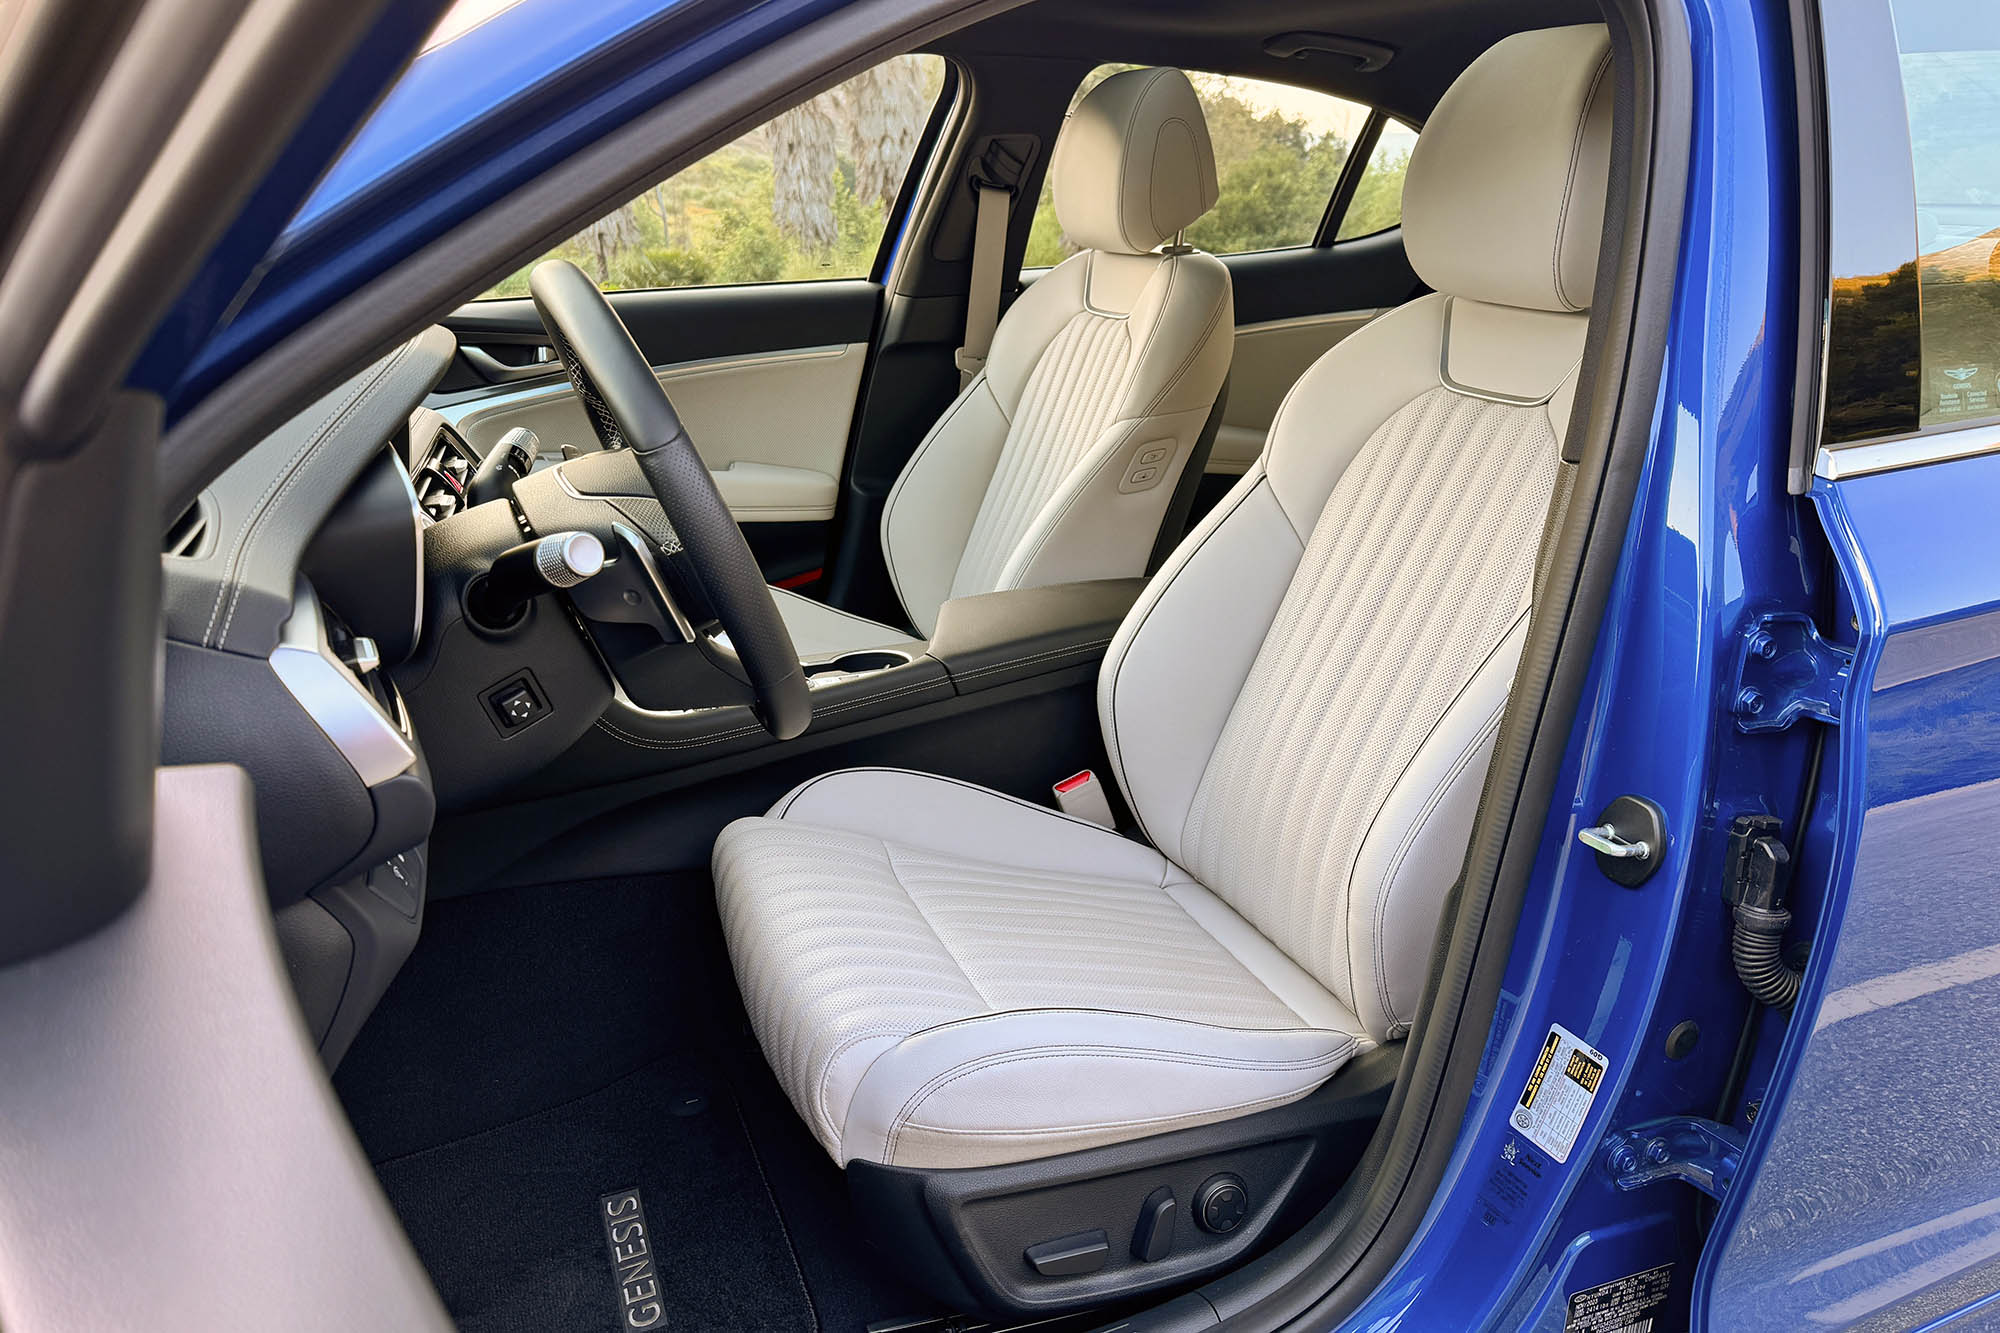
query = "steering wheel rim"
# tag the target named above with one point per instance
(629, 409)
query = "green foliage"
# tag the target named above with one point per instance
(713, 224)
(1378, 196)
(1275, 171)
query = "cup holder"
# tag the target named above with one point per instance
(859, 664)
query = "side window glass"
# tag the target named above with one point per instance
(804, 196)
(1950, 57)
(1278, 154)
(1377, 204)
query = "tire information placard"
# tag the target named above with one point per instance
(1628, 1305)
(1560, 1090)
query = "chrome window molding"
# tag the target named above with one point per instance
(1837, 463)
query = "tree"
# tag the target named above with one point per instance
(876, 117)
(615, 231)
(803, 162)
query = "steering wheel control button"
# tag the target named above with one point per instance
(1221, 1204)
(1153, 1238)
(516, 704)
(1070, 1256)
(362, 656)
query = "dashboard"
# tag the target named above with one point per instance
(292, 587)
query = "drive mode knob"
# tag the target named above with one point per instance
(1221, 1204)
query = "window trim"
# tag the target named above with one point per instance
(924, 161)
(1349, 180)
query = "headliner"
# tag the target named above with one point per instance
(1434, 39)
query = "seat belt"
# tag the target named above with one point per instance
(982, 301)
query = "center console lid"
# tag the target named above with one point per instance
(998, 637)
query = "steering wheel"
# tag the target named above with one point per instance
(629, 409)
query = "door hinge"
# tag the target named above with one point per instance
(1786, 671)
(1683, 1147)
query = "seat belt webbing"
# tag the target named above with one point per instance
(982, 304)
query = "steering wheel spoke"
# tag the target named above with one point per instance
(628, 409)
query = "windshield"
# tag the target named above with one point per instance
(483, 56)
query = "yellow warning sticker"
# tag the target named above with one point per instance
(1560, 1091)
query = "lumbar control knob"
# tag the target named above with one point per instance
(1221, 1204)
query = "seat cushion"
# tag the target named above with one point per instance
(943, 976)
(822, 631)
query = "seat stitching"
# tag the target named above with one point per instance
(1225, 1112)
(281, 484)
(1194, 353)
(896, 492)
(690, 743)
(1137, 1054)
(1216, 940)
(1071, 651)
(969, 786)
(1165, 587)
(1569, 180)
(1060, 1010)
(819, 1079)
(1409, 841)
(1376, 818)
(896, 873)
(695, 742)
(1125, 161)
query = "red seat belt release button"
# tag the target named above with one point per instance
(1082, 796)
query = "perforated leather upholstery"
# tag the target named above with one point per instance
(1300, 710)
(1033, 475)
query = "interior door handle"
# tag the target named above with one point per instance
(495, 371)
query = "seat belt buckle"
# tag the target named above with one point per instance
(1082, 796)
(968, 365)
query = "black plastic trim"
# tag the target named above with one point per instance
(962, 1233)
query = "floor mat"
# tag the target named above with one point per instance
(548, 1046)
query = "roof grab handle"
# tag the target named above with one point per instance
(1367, 56)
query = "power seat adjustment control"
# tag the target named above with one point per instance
(1221, 1204)
(1147, 466)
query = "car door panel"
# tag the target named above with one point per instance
(772, 426)
(1292, 306)
(766, 377)
(1268, 360)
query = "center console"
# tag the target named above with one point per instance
(622, 674)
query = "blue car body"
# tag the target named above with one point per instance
(1854, 1173)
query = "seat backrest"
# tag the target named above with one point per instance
(1059, 459)
(1302, 705)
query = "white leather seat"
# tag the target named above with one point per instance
(1033, 475)
(1300, 710)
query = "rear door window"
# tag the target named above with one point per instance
(1280, 152)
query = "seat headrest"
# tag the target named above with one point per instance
(1133, 164)
(1504, 200)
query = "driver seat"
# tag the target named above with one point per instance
(1058, 460)
(1300, 711)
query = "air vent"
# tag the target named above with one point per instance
(444, 474)
(188, 537)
